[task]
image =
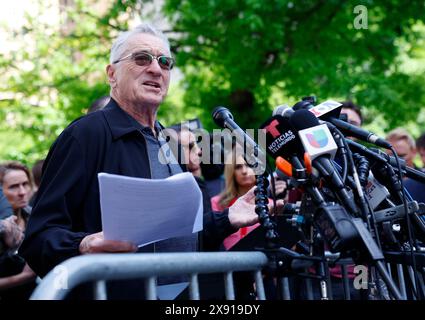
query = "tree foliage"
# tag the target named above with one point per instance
(246, 55)
(232, 50)
(54, 71)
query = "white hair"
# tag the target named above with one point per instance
(118, 47)
(401, 134)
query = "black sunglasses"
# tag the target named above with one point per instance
(145, 59)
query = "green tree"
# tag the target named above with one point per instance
(247, 55)
(56, 69)
(50, 78)
(240, 53)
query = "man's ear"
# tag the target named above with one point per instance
(110, 71)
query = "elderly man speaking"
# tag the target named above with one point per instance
(123, 139)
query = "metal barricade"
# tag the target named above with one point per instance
(102, 267)
(99, 268)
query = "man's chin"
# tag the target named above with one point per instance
(152, 100)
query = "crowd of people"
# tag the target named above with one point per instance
(56, 206)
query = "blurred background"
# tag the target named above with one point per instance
(249, 56)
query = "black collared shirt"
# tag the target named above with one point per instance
(155, 151)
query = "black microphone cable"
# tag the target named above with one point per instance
(417, 292)
(365, 207)
(342, 149)
(369, 218)
(399, 188)
(363, 168)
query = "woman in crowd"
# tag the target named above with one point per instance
(17, 280)
(239, 179)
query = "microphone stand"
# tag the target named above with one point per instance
(283, 261)
(262, 210)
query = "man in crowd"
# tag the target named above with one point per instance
(353, 112)
(123, 138)
(420, 145)
(405, 146)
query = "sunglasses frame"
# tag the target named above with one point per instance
(152, 57)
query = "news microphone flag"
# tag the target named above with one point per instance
(329, 108)
(318, 141)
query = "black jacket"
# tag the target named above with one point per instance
(67, 206)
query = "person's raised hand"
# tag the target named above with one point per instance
(280, 187)
(242, 212)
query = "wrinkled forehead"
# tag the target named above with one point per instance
(146, 42)
(352, 115)
(14, 176)
(402, 147)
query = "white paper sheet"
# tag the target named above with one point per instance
(170, 291)
(143, 211)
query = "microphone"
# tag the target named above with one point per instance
(315, 137)
(283, 110)
(384, 158)
(359, 133)
(281, 139)
(283, 144)
(335, 224)
(305, 103)
(224, 119)
(333, 221)
(330, 110)
(319, 144)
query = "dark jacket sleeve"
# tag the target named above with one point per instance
(217, 227)
(51, 234)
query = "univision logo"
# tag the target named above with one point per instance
(317, 139)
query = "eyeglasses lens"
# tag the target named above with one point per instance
(144, 59)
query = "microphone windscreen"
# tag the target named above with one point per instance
(303, 119)
(283, 110)
(302, 105)
(220, 114)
